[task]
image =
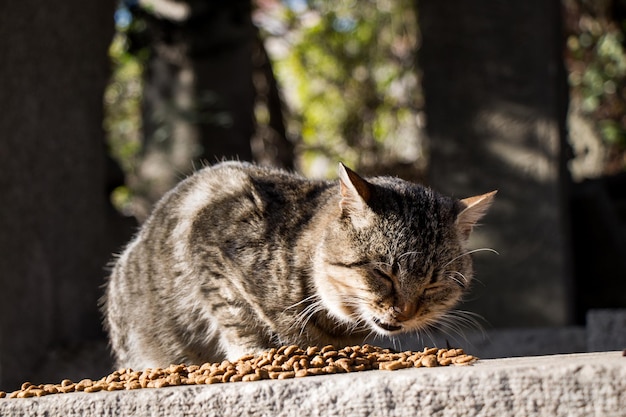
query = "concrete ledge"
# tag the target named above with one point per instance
(588, 384)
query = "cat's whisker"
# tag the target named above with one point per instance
(397, 344)
(307, 299)
(446, 324)
(471, 252)
(303, 318)
(429, 334)
(457, 322)
(449, 334)
(463, 282)
(469, 319)
(374, 335)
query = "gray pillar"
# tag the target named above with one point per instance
(495, 97)
(52, 212)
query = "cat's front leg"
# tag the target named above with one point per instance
(235, 345)
(241, 333)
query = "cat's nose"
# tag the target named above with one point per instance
(404, 311)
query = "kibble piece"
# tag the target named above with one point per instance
(50, 389)
(82, 384)
(226, 377)
(344, 364)
(359, 368)
(429, 360)
(244, 368)
(36, 392)
(329, 354)
(251, 377)
(214, 380)
(445, 361)
(67, 388)
(262, 373)
(330, 369)
(458, 352)
(290, 362)
(176, 369)
(312, 350)
(394, 365)
(263, 361)
(463, 360)
(217, 372)
(200, 380)
(415, 357)
(317, 362)
(115, 386)
(94, 388)
(315, 371)
(236, 378)
(273, 374)
(279, 359)
(291, 350)
(286, 375)
(430, 351)
(327, 348)
(246, 358)
(160, 383)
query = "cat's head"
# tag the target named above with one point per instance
(394, 256)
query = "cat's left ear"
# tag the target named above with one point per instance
(473, 209)
(355, 191)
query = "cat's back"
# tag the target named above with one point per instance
(227, 201)
(225, 182)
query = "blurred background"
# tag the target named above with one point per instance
(104, 106)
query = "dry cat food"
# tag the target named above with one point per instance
(285, 362)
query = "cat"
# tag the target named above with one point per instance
(239, 258)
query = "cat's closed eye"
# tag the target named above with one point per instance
(383, 277)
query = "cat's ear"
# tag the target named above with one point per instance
(355, 191)
(472, 210)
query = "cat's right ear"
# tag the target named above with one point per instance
(355, 191)
(472, 210)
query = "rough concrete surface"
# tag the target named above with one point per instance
(588, 384)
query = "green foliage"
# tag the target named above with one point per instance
(122, 107)
(122, 98)
(348, 70)
(596, 61)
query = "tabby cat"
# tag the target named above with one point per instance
(238, 258)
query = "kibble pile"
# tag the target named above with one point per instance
(285, 362)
